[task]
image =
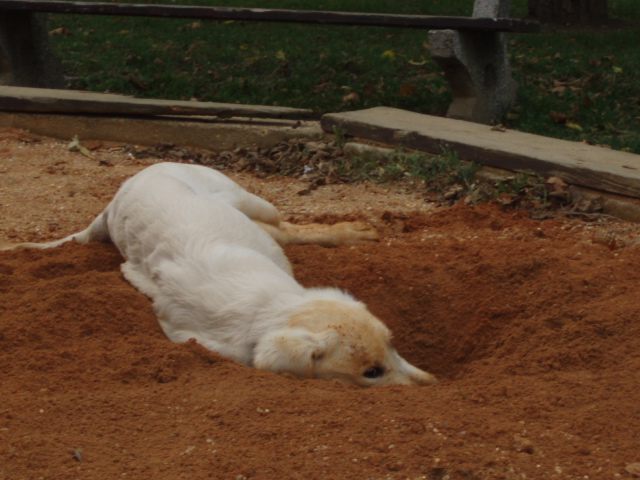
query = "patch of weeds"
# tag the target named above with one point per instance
(523, 190)
(340, 135)
(445, 170)
(437, 172)
(540, 196)
(444, 178)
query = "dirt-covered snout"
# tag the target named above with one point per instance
(338, 341)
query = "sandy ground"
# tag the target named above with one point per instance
(533, 328)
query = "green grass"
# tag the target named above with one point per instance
(438, 172)
(578, 84)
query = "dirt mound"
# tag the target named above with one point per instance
(531, 326)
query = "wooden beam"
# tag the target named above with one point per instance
(271, 15)
(576, 163)
(24, 99)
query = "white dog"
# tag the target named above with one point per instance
(208, 254)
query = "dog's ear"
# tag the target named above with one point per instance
(292, 351)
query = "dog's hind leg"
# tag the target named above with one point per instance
(256, 208)
(344, 233)
(96, 232)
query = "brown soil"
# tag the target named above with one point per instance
(533, 328)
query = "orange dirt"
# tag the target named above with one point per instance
(532, 327)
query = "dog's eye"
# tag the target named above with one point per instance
(374, 372)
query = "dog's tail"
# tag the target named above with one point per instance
(96, 232)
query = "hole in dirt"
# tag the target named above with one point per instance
(466, 297)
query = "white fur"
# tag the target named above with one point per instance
(193, 242)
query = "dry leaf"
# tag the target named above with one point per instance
(75, 146)
(505, 199)
(406, 90)
(388, 54)
(558, 188)
(65, 32)
(92, 145)
(558, 117)
(351, 98)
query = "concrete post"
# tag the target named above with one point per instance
(26, 57)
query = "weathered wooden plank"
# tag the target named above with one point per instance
(24, 99)
(272, 15)
(576, 163)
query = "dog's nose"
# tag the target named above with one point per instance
(423, 378)
(407, 374)
(415, 376)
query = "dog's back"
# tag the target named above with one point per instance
(190, 244)
(170, 209)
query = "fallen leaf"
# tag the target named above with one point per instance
(388, 54)
(322, 86)
(65, 32)
(75, 146)
(280, 55)
(93, 144)
(368, 90)
(406, 90)
(138, 82)
(558, 188)
(505, 199)
(350, 98)
(574, 126)
(558, 117)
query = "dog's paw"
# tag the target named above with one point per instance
(355, 233)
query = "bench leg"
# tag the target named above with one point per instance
(477, 69)
(26, 58)
(476, 65)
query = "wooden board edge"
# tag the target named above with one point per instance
(275, 15)
(130, 107)
(581, 176)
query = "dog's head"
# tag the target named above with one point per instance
(333, 340)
